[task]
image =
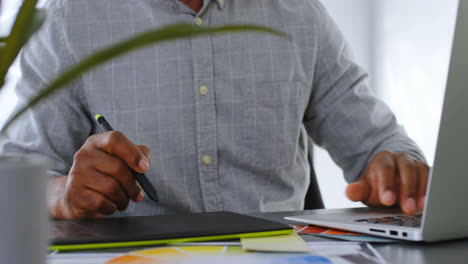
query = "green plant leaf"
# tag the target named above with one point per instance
(167, 33)
(3, 41)
(19, 34)
(2, 48)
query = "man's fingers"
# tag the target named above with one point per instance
(115, 167)
(394, 178)
(146, 151)
(116, 143)
(409, 187)
(358, 191)
(423, 179)
(384, 168)
(109, 187)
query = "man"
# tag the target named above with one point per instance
(226, 117)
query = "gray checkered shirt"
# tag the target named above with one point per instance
(227, 117)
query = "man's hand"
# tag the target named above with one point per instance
(100, 180)
(392, 178)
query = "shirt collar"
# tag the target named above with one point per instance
(206, 3)
(220, 4)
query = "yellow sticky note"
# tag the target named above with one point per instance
(284, 243)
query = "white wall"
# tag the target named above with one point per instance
(414, 40)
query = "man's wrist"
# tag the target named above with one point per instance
(55, 196)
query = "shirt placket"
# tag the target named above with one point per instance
(205, 112)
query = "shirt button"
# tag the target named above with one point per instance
(203, 90)
(198, 21)
(206, 159)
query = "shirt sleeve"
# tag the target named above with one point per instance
(58, 127)
(343, 115)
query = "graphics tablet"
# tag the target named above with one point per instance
(161, 229)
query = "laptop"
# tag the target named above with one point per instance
(445, 215)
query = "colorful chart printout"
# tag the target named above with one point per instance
(339, 234)
(235, 254)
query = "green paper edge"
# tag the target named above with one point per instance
(167, 241)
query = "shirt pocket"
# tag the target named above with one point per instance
(266, 133)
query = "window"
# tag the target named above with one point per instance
(405, 45)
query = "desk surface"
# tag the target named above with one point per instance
(404, 252)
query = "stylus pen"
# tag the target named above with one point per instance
(139, 177)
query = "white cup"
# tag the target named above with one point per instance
(23, 210)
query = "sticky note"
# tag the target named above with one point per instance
(284, 243)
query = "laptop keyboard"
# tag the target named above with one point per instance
(398, 220)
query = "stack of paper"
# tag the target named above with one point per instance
(206, 253)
